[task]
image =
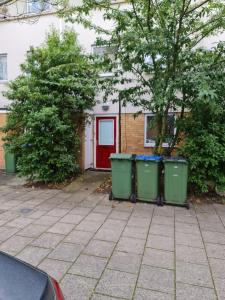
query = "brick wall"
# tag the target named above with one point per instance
(2, 122)
(133, 134)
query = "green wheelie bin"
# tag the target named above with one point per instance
(175, 181)
(147, 178)
(10, 161)
(122, 166)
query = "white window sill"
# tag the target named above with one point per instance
(3, 81)
(151, 145)
(106, 74)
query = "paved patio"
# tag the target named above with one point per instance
(103, 250)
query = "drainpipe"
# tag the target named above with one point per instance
(120, 138)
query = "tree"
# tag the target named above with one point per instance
(57, 84)
(154, 43)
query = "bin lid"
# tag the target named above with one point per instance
(175, 159)
(121, 156)
(149, 157)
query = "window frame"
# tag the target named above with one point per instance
(102, 74)
(36, 12)
(6, 56)
(152, 144)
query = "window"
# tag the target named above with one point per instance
(3, 66)
(151, 130)
(103, 50)
(106, 132)
(37, 6)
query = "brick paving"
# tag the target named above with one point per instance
(102, 250)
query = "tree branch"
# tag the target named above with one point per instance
(197, 6)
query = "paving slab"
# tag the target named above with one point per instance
(33, 255)
(77, 287)
(32, 230)
(46, 220)
(131, 245)
(102, 297)
(213, 237)
(139, 222)
(72, 219)
(125, 262)
(218, 267)
(190, 292)
(193, 274)
(143, 294)
(48, 240)
(61, 228)
(66, 252)
(99, 248)
(135, 232)
(215, 250)
(117, 284)
(7, 232)
(79, 237)
(160, 242)
(220, 287)
(191, 254)
(19, 222)
(58, 212)
(15, 244)
(91, 226)
(111, 235)
(89, 266)
(189, 239)
(163, 220)
(157, 279)
(158, 258)
(163, 230)
(55, 268)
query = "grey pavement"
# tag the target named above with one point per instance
(99, 249)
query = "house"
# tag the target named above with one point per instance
(102, 135)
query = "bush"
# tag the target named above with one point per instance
(204, 145)
(57, 84)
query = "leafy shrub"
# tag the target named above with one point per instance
(57, 84)
(204, 142)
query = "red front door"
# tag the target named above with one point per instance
(105, 141)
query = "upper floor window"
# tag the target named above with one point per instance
(3, 66)
(37, 6)
(151, 130)
(103, 50)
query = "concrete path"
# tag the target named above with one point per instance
(103, 250)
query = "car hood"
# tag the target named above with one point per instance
(20, 281)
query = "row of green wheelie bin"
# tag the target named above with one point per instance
(149, 178)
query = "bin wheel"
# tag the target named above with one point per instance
(162, 201)
(158, 201)
(187, 205)
(133, 198)
(111, 197)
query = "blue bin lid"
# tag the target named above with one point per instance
(149, 157)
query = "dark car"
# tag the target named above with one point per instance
(21, 281)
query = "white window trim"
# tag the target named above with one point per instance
(152, 144)
(2, 81)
